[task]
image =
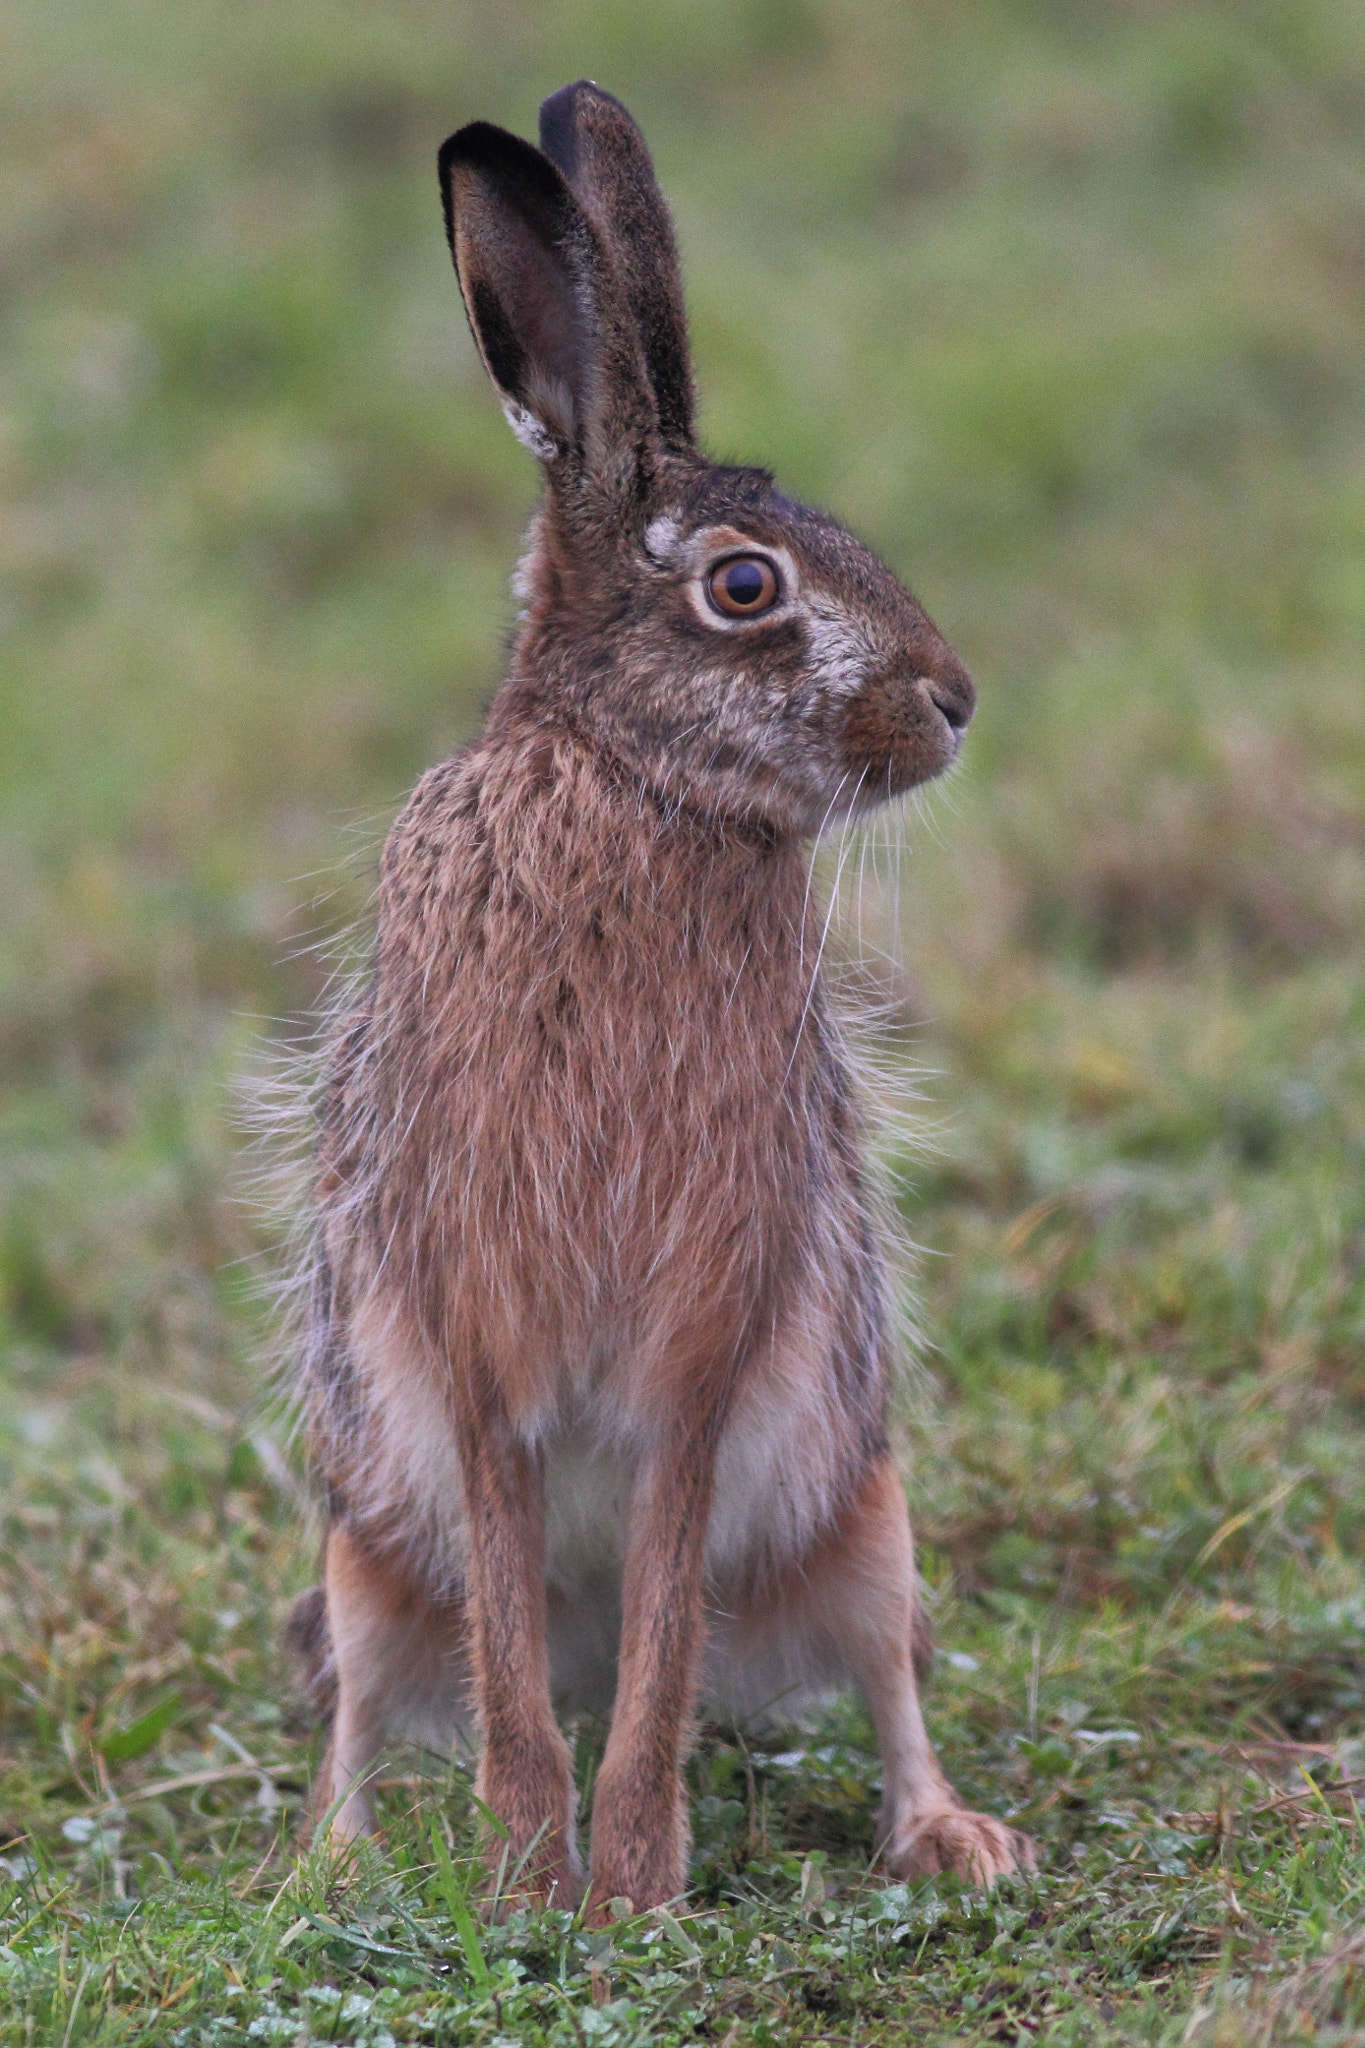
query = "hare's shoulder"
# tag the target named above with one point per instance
(434, 831)
(439, 877)
(527, 827)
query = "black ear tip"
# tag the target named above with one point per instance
(567, 94)
(478, 142)
(517, 170)
(560, 115)
(559, 124)
(469, 144)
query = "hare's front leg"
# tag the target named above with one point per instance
(862, 1586)
(525, 1774)
(640, 1833)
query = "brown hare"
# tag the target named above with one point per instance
(599, 1344)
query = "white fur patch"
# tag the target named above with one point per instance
(587, 1489)
(523, 588)
(842, 651)
(412, 1459)
(529, 431)
(523, 576)
(661, 539)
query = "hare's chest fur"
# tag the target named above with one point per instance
(611, 1101)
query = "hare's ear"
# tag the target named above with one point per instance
(545, 305)
(603, 155)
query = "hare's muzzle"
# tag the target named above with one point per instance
(901, 729)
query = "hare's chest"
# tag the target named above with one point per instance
(638, 1070)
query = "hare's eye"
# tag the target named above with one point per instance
(743, 586)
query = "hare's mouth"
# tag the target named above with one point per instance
(897, 731)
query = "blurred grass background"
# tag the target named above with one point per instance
(1061, 304)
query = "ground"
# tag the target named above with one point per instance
(1061, 306)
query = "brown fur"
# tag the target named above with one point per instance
(599, 1354)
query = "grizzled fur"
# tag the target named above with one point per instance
(600, 1341)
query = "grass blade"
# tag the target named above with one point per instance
(456, 1897)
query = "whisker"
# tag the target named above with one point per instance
(824, 933)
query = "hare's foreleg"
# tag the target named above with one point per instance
(396, 1658)
(861, 1591)
(525, 1773)
(640, 1834)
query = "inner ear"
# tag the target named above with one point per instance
(523, 308)
(547, 306)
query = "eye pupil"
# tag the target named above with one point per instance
(744, 586)
(745, 583)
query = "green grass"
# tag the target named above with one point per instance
(1062, 307)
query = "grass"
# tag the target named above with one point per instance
(1062, 307)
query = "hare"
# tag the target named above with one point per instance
(598, 1351)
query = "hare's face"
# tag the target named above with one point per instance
(745, 654)
(749, 656)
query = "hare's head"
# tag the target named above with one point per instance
(741, 652)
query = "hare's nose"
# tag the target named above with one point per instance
(952, 691)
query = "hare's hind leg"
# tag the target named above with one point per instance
(399, 1668)
(923, 1827)
(853, 1608)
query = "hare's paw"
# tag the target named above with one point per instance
(971, 1845)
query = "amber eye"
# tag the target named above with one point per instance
(743, 586)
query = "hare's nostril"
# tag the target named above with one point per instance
(954, 710)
